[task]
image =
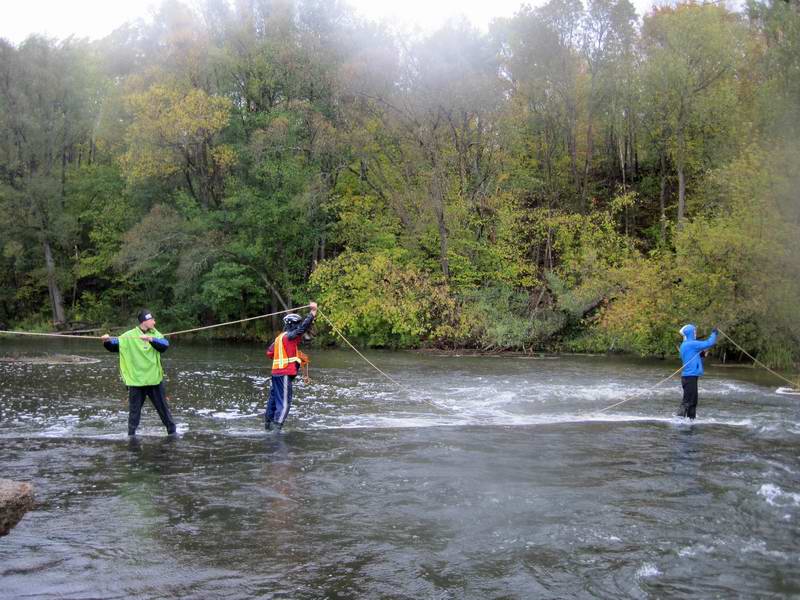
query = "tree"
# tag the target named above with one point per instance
(508, 190)
(541, 64)
(433, 143)
(775, 50)
(607, 48)
(174, 133)
(47, 111)
(735, 266)
(691, 52)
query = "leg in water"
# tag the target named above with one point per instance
(689, 405)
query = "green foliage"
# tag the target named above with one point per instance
(499, 318)
(737, 267)
(572, 179)
(226, 290)
(775, 56)
(362, 224)
(380, 299)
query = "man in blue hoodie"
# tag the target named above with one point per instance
(691, 352)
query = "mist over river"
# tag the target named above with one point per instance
(486, 477)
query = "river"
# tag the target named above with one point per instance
(485, 477)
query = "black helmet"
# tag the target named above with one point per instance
(291, 319)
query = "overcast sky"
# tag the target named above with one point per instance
(97, 18)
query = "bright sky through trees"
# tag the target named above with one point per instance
(97, 18)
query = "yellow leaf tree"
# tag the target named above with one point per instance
(174, 134)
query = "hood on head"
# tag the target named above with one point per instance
(688, 332)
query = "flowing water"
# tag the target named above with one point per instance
(484, 478)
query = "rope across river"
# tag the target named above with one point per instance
(340, 334)
(383, 373)
(206, 327)
(646, 390)
(679, 369)
(758, 362)
(171, 334)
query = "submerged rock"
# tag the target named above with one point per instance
(51, 359)
(16, 498)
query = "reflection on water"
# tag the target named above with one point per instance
(495, 481)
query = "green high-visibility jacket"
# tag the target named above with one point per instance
(139, 362)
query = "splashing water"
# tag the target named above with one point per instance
(493, 477)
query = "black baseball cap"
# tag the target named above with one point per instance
(144, 315)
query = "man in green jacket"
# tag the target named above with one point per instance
(140, 364)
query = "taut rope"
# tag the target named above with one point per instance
(280, 312)
(646, 390)
(173, 333)
(341, 335)
(753, 358)
(756, 361)
(63, 335)
(394, 381)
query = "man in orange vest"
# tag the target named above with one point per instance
(285, 366)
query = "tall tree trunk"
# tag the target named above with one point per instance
(572, 145)
(662, 197)
(634, 166)
(587, 167)
(271, 287)
(63, 175)
(204, 177)
(680, 159)
(438, 207)
(681, 194)
(75, 284)
(275, 303)
(56, 300)
(573, 161)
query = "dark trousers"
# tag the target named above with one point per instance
(689, 404)
(280, 399)
(136, 396)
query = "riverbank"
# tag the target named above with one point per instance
(326, 342)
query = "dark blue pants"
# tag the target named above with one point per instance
(689, 404)
(136, 396)
(280, 399)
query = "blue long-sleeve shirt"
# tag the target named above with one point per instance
(691, 349)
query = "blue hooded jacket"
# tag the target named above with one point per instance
(691, 349)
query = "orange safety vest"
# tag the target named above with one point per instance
(281, 359)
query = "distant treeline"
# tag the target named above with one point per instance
(575, 178)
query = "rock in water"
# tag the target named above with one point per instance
(16, 498)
